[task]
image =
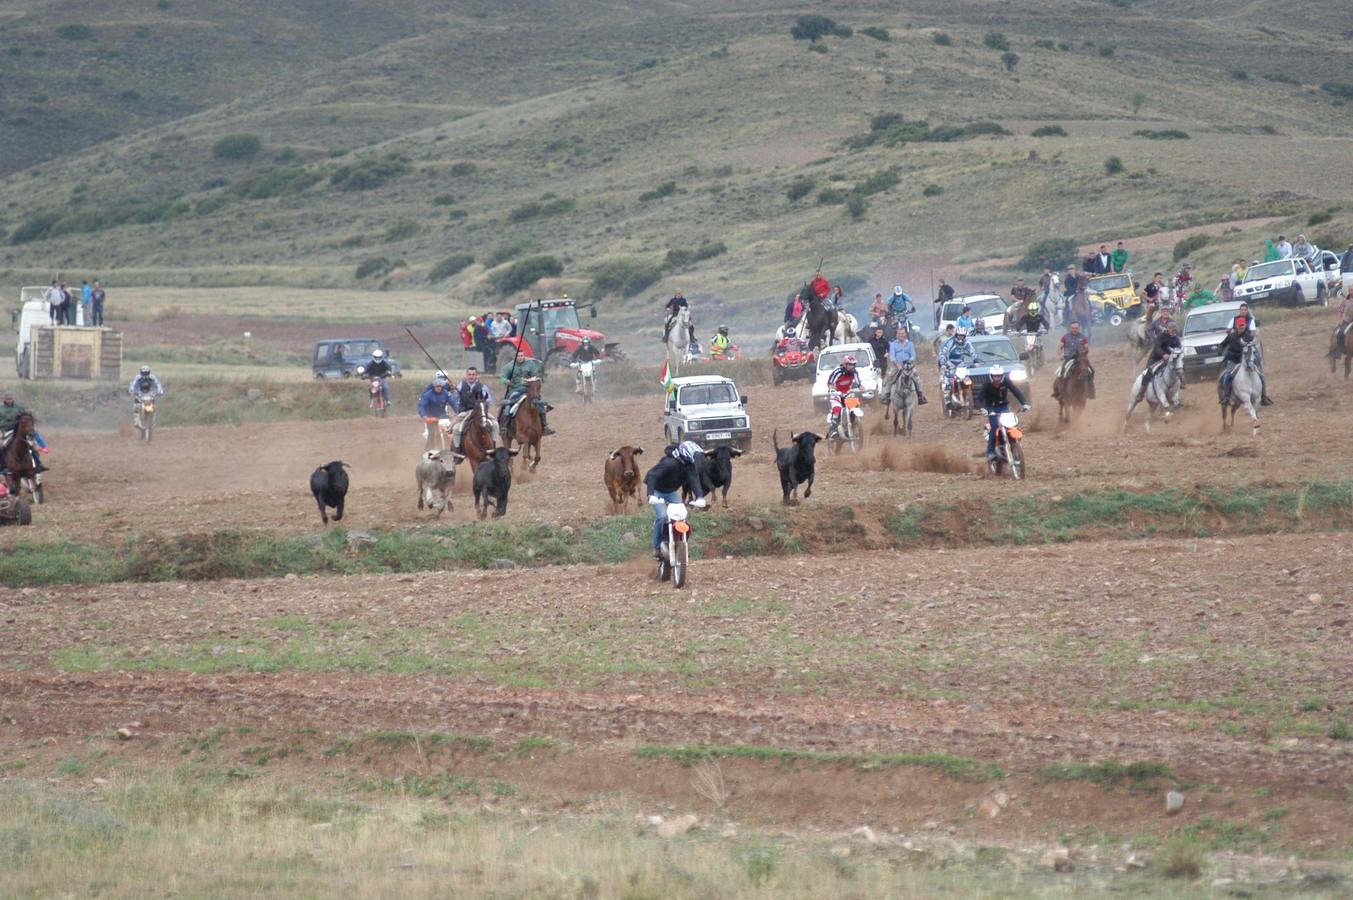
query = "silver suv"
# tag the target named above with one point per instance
(709, 410)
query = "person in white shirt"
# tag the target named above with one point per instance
(1284, 248)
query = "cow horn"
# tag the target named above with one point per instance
(712, 451)
(614, 454)
(638, 451)
(735, 451)
(458, 457)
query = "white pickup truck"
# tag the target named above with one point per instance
(1290, 282)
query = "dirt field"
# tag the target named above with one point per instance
(1224, 661)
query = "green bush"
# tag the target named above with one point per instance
(1320, 218)
(678, 258)
(1055, 253)
(208, 205)
(1010, 59)
(280, 182)
(996, 41)
(443, 200)
(857, 206)
(546, 207)
(368, 174)
(831, 196)
(1282, 78)
(1190, 245)
(524, 212)
(401, 231)
(812, 28)
(1341, 89)
(462, 169)
(1240, 75)
(75, 32)
(1113, 166)
(818, 48)
(1106, 52)
(932, 190)
(666, 189)
(237, 146)
(522, 274)
(799, 188)
(1168, 134)
(450, 266)
(1045, 44)
(877, 183)
(878, 34)
(36, 228)
(457, 215)
(503, 252)
(710, 249)
(626, 277)
(1049, 131)
(374, 266)
(942, 39)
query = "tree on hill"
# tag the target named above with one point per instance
(810, 28)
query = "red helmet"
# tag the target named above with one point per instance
(849, 361)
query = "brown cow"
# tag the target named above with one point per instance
(622, 476)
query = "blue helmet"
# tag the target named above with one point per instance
(688, 451)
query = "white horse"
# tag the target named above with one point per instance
(678, 340)
(847, 329)
(1246, 391)
(1162, 392)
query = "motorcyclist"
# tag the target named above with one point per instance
(674, 308)
(1034, 323)
(901, 354)
(1240, 335)
(992, 398)
(719, 344)
(1166, 343)
(145, 384)
(9, 420)
(514, 377)
(465, 399)
(665, 481)
(432, 405)
(1071, 345)
(379, 367)
(900, 306)
(955, 353)
(584, 352)
(843, 379)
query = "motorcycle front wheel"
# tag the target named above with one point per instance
(680, 563)
(1016, 454)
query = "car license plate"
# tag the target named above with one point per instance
(718, 435)
(1211, 359)
(1259, 295)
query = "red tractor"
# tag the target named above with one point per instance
(549, 330)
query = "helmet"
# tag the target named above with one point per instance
(688, 451)
(587, 342)
(1033, 306)
(789, 332)
(849, 361)
(961, 332)
(378, 354)
(440, 382)
(723, 329)
(442, 375)
(996, 372)
(897, 290)
(145, 370)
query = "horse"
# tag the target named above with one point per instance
(526, 429)
(1161, 393)
(847, 330)
(476, 439)
(1341, 344)
(902, 399)
(1246, 391)
(1139, 335)
(1073, 389)
(821, 320)
(678, 339)
(16, 455)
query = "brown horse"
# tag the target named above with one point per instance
(1341, 344)
(526, 429)
(476, 440)
(16, 456)
(1073, 391)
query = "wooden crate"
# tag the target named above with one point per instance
(84, 354)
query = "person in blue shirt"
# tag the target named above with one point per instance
(965, 319)
(902, 351)
(432, 406)
(900, 305)
(956, 353)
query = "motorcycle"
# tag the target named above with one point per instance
(145, 416)
(586, 374)
(436, 433)
(13, 510)
(674, 552)
(958, 393)
(1033, 351)
(849, 429)
(1008, 449)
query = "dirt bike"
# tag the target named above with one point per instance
(1009, 451)
(436, 433)
(587, 379)
(145, 416)
(848, 432)
(674, 552)
(377, 398)
(958, 396)
(13, 510)
(34, 487)
(1033, 348)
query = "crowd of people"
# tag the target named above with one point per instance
(66, 308)
(483, 333)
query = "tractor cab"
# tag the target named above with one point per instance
(550, 330)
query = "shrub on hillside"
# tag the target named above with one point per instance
(626, 277)
(799, 188)
(280, 182)
(878, 34)
(1282, 78)
(857, 206)
(818, 48)
(401, 231)
(443, 200)
(1049, 131)
(503, 252)
(1341, 89)
(1240, 75)
(545, 207)
(996, 41)
(1055, 253)
(877, 183)
(1106, 52)
(932, 190)
(461, 169)
(1320, 218)
(942, 39)
(1045, 44)
(831, 196)
(666, 189)
(679, 257)
(237, 146)
(452, 265)
(1113, 166)
(522, 274)
(1190, 245)
(1010, 59)
(368, 174)
(812, 28)
(374, 266)
(75, 32)
(35, 228)
(1168, 134)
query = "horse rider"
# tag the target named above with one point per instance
(1023, 295)
(993, 398)
(380, 367)
(145, 384)
(820, 286)
(674, 308)
(843, 379)
(465, 400)
(838, 300)
(432, 404)
(584, 352)
(902, 351)
(676, 470)
(1240, 335)
(954, 354)
(719, 344)
(514, 377)
(1071, 345)
(1166, 342)
(9, 421)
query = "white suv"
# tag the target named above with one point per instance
(1287, 281)
(987, 307)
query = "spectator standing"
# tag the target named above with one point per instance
(483, 342)
(1271, 253)
(466, 336)
(1103, 261)
(96, 298)
(1284, 248)
(85, 293)
(1119, 258)
(1070, 287)
(53, 297)
(942, 296)
(67, 306)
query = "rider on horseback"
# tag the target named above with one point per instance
(1071, 345)
(465, 399)
(1166, 343)
(1240, 335)
(9, 421)
(145, 384)
(515, 376)
(674, 308)
(993, 399)
(843, 379)
(902, 352)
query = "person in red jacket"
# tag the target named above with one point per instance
(843, 379)
(821, 286)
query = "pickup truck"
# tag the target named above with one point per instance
(1287, 281)
(709, 410)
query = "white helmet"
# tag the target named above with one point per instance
(996, 372)
(961, 332)
(789, 332)
(897, 290)
(377, 354)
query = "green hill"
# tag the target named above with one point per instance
(392, 136)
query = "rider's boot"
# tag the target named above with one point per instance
(920, 396)
(544, 426)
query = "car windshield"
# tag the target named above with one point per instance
(702, 394)
(1269, 270)
(830, 359)
(998, 350)
(1110, 283)
(1202, 320)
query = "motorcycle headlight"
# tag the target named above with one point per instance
(1190, 351)
(868, 395)
(1019, 375)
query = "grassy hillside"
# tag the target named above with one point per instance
(401, 134)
